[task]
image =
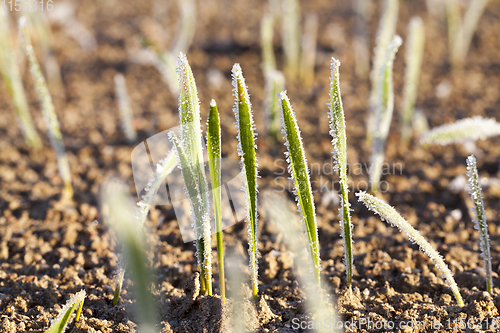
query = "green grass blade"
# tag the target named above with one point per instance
(385, 32)
(61, 322)
(300, 173)
(9, 70)
(390, 215)
(463, 130)
(214, 156)
(480, 220)
(200, 216)
(190, 141)
(48, 111)
(339, 141)
(246, 150)
(266, 42)
(383, 114)
(290, 32)
(121, 219)
(414, 54)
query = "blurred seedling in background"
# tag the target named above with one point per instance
(383, 114)
(124, 107)
(299, 172)
(385, 33)
(246, 150)
(9, 69)
(308, 55)
(48, 111)
(339, 141)
(414, 54)
(391, 216)
(61, 322)
(360, 42)
(461, 31)
(480, 218)
(275, 83)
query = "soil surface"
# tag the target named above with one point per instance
(50, 250)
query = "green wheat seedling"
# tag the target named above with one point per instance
(383, 114)
(190, 156)
(214, 156)
(124, 108)
(385, 32)
(266, 42)
(480, 220)
(62, 320)
(275, 83)
(119, 205)
(339, 141)
(461, 131)
(282, 216)
(246, 150)
(360, 42)
(391, 216)
(290, 32)
(9, 70)
(308, 55)
(48, 111)
(414, 54)
(299, 172)
(460, 32)
(163, 169)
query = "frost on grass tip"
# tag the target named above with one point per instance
(480, 220)
(246, 150)
(391, 216)
(62, 320)
(299, 172)
(461, 131)
(339, 141)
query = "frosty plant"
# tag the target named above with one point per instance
(275, 83)
(62, 320)
(383, 114)
(48, 111)
(119, 208)
(124, 108)
(9, 70)
(480, 220)
(190, 157)
(463, 130)
(214, 156)
(246, 149)
(300, 173)
(385, 32)
(339, 141)
(390, 215)
(414, 54)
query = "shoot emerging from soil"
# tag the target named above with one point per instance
(62, 320)
(391, 216)
(339, 141)
(48, 111)
(246, 150)
(125, 108)
(299, 172)
(480, 220)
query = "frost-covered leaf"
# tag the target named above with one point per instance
(467, 129)
(62, 320)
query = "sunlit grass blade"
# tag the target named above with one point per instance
(480, 220)
(74, 303)
(299, 171)
(339, 141)
(246, 150)
(383, 114)
(266, 42)
(125, 108)
(391, 216)
(290, 33)
(214, 156)
(9, 70)
(190, 141)
(385, 32)
(308, 55)
(414, 54)
(187, 26)
(360, 42)
(118, 204)
(275, 83)
(463, 130)
(48, 111)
